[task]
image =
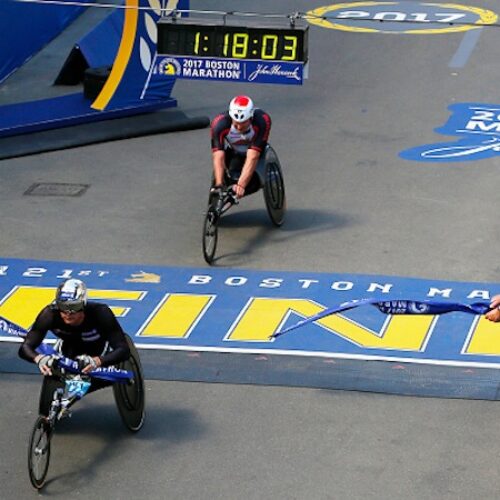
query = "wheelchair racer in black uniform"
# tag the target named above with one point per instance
(88, 331)
(239, 137)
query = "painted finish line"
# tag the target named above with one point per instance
(232, 310)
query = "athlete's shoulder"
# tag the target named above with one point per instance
(261, 115)
(259, 112)
(46, 318)
(49, 311)
(97, 308)
(222, 120)
(100, 312)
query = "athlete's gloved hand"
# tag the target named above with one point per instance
(216, 192)
(45, 363)
(87, 363)
(239, 190)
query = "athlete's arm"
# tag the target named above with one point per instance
(219, 129)
(35, 336)
(247, 172)
(261, 123)
(114, 334)
(218, 159)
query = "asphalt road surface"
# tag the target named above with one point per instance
(354, 206)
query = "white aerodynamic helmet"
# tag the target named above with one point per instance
(241, 108)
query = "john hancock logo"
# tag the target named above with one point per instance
(477, 125)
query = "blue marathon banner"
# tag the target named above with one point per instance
(234, 70)
(395, 307)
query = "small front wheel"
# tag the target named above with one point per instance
(210, 235)
(39, 452)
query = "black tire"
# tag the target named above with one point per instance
(49, 386)
(274, 189)
(131, 397)
(210, 236)
(39, 452)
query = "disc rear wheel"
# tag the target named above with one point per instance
(274, 192)
(130, 397)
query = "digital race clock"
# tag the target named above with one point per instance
(219, 39)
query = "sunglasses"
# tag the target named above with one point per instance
(69, 310)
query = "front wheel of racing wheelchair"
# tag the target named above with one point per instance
(218, 204)
(131, 397)
(210, 235)
(273, 186)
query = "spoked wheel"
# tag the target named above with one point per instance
(130, 397)
(210, 236)
(39, 452)
(274, 190)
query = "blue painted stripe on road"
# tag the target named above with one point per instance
(465, 49)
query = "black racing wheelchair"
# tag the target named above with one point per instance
(68, 385)
(271, 182)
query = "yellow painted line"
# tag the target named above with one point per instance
(485, 17)
(123, 56)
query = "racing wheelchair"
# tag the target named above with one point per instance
(61, 391)
(270, 176)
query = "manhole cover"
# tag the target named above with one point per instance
(56, 189)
